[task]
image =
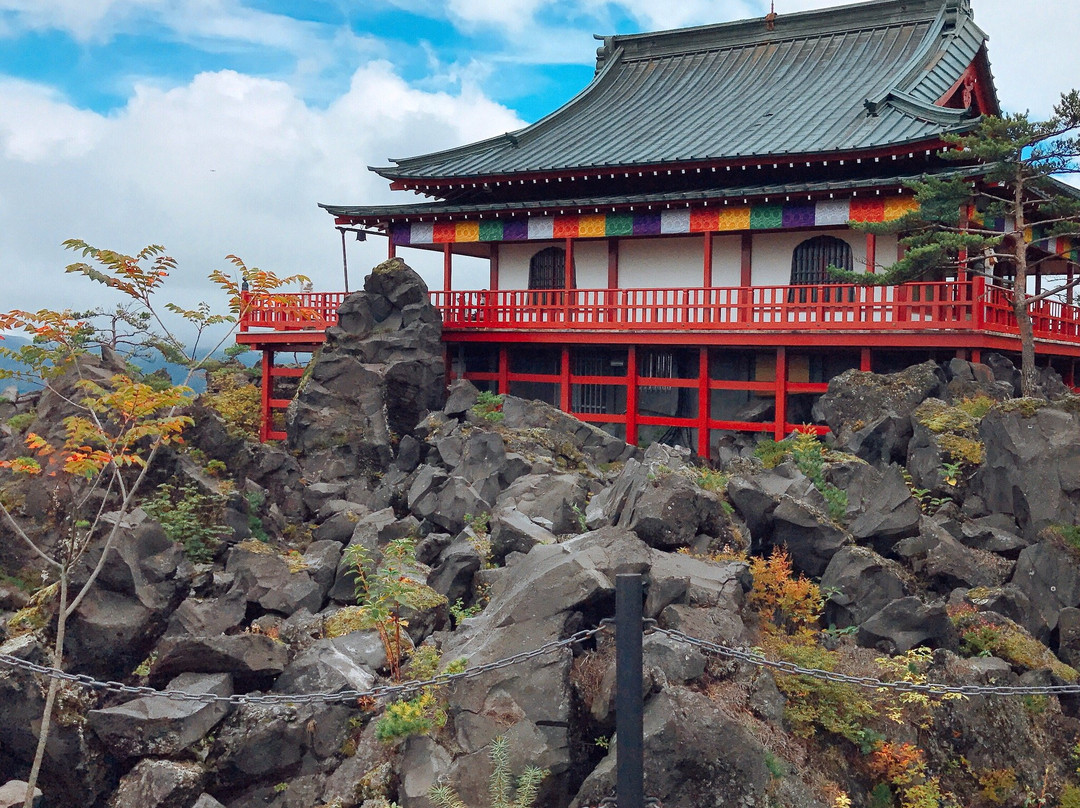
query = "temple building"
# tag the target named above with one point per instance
(658, 245)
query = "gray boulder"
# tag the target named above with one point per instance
(249, 656)
(267, 580)
(556, 498)
(881, 509)
(161, 783)
(1047, 574)
(945, 564)
(514, 532)
(154, 725)
(870, 413)
(810, 536)
(324, 668)
(13, 795)
(859, 584)
(906, 623)
(1032, 467)
(380, 371)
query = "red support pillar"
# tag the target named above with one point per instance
(504, 371)
(703, 402)
(871, 253)
(746, 280)
(493, 271)
(780, 427)
(866, 363)
(612, 279)
(976, 356)
(569, 273)
(391, 247)
(564, 380)
(447, 269)
(267, 393)
(706, 279)
(631, 396)
(1069, 279)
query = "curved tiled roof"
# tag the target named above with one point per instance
(845, 79)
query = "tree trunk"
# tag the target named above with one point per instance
(1028, 382)
(50, 697)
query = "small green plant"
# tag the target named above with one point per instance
(771, 453)
(711, 480)
(1070, 797)
(237, 401)
(216, 468)
(383, 589)
(775, 765)
(425, 712)
(459, 611)
(579, 517)
(478, 529)
(144, 667)
(20, 421)
(189, 517)
(602, 742)
(281, 787)
(489, 406)
(255, 501)
(500, 787)
(809, 455)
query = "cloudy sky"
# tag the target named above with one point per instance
(216, 126)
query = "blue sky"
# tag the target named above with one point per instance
(216, 126)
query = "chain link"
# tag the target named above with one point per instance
(404, 688)
(870, 682)
(293, 699)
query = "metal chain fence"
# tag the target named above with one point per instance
(398, 690)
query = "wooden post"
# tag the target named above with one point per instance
(746, 267)
(564, 380)
(493, 271)
(706, 280)
(391, 247)
(612, 279)
(703, 402)
(504, 371)
(447, 269)
(267, 393)
(631, 396)
(780, 427)
(569, 274)
(871, 253)
(865, 360)
(629, 702)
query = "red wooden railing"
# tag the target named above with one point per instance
(969, 305)
(314, 311)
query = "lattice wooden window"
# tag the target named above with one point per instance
(547, 269)
(813, 256)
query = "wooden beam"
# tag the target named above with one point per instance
(267, 393)
(391, 247)
(704, 402)
(447, 267)
(504, 371)
(780, 426)
(569, 273)
(631, 396)
(866, 363)
(493, 272)
(706, 279)
(746, 269)
(871, 253)
(613, 263)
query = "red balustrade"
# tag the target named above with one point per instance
(970, 305)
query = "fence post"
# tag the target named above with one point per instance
(629, 708)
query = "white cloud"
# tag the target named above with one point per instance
(225, 164)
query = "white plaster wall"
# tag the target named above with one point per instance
(772, 253)
(661, 263)
(678, 261)
(727, 260)
(590, 262)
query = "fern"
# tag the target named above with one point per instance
(528, 783)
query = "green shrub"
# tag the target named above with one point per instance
(190, 518)
(20, 421)
(489, 406)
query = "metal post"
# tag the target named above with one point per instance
(629, 708)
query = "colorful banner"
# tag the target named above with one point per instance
(823, 213)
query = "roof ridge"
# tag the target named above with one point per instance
(716, 36)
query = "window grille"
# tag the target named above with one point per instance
(547, 269)
(589, 398)
(658, 365)
(810, 261)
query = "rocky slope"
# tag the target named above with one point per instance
(940, 527)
